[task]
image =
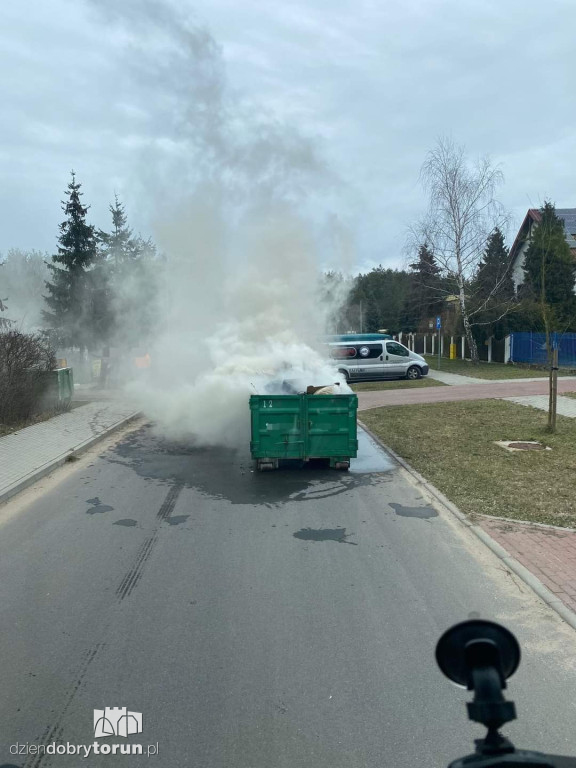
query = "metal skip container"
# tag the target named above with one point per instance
(58, 388)
(302, 427)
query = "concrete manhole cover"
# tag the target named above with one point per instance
(522, 445)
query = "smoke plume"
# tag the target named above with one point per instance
(235, 199)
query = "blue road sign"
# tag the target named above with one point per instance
(438, 323)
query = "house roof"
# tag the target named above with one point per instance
(568, 216)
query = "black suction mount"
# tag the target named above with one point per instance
(480, 656)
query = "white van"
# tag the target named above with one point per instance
(369, 360)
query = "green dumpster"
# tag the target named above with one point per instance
(57, 388)
(303, 427)
(65, 385)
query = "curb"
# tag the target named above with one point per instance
(514, 565)
(50, 466)
(559, 528)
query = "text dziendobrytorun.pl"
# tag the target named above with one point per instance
(83, 750)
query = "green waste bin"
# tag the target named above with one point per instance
(303, 427)
(57, 388)
(65, 385)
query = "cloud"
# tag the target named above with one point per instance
(368, 85)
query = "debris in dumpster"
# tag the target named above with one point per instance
(295, 387)
(327, 389)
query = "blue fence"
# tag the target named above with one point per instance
(530, 347)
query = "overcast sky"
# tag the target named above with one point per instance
(339, 98)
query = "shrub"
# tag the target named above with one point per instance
(24, 360)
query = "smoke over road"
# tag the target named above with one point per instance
(235, 201)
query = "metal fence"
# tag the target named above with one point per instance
(492, 350)
(528, 347)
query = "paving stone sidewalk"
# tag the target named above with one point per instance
(484, 391)
(565, 406)
(453, 379)
(458, 379)
(547, 552)
(34, 451)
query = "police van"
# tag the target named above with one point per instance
(374, 356)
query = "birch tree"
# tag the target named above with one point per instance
(462, 214)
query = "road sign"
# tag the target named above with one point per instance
(438, 323)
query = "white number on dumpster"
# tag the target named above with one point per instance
(267, 404)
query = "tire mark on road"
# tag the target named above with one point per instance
(169, 502)
(55, 732)
(133, 576)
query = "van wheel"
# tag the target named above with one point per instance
(413, 373)
(346, 376)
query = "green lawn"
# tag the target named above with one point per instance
(452, 445)
(485, 370)
(371, 386)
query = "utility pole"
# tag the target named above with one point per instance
(361, 318)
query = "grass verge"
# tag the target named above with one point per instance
(371, 386)
(452, 445)
(487, 370)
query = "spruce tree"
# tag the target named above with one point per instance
(132, 268)
(72, 299)
(424, 298)
(549, 265)
(492, 294)
(117, 246)
(493, 281)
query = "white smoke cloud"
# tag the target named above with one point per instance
(240, 319)
(229, 190)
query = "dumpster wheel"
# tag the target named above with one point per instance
(265, 465)
(342, 465)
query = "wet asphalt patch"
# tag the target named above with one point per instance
(338, 535)
(177, 519)
(227, 474)
(97, 507)
(423, 513)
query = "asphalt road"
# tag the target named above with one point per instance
(281, 619)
